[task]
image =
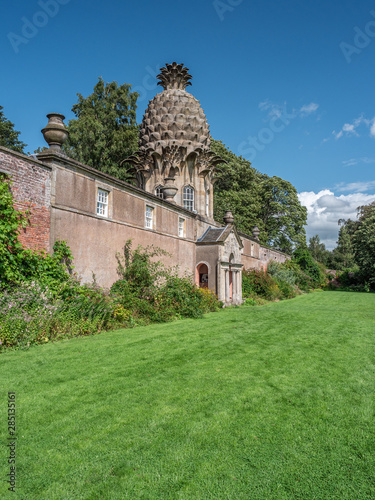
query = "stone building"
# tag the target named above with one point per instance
(171, 208)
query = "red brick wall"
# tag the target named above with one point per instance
(31, 190)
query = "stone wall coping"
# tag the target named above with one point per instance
(25, 157)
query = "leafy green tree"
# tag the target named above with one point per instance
(364, 243)
(281, 213)
(9, 136)
(318, 250)
(237, 174)
(104, 131)
(343, 256)
(304, 259)
(256, 199)
(236, 188)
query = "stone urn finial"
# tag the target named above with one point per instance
(228, 217)
(55, 133)
(256, 232)
(169, 189)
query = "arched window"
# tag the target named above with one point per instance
(159, 191)
(188, 198)
(202, 276)
(207, 203)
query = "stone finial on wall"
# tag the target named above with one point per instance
(228, 217)
(256, 232)
(169, 189)
(55, 133)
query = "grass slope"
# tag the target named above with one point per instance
(273, 402)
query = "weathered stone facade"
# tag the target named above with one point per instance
(96, 213)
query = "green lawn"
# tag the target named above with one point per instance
(271, 402)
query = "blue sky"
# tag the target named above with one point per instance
(287, 84)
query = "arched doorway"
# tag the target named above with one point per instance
(202, 276)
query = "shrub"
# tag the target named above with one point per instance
(351, 280)
(285, 278)
(258, 282)
(138, 269)
(18, 264)
(30, 313)
(87, 301)
(303, 258)
(302, 280)
(155, 293)
(280, 281)
(281, 272)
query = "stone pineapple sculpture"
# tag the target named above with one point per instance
(174, 140)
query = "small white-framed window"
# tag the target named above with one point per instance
(102, 203)
(149, 220)
(188, 198)
(207, 203)
(159, 191)
(181, 227)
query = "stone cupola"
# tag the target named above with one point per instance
(174, 143)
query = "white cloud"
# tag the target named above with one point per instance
(277, 110)
(356, 161)
(350, 129)
(307, 109)
(357, 187)
(372, 128)
(324, 209)
(274, 110)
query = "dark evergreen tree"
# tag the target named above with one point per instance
(104, 132)
(9, 136)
